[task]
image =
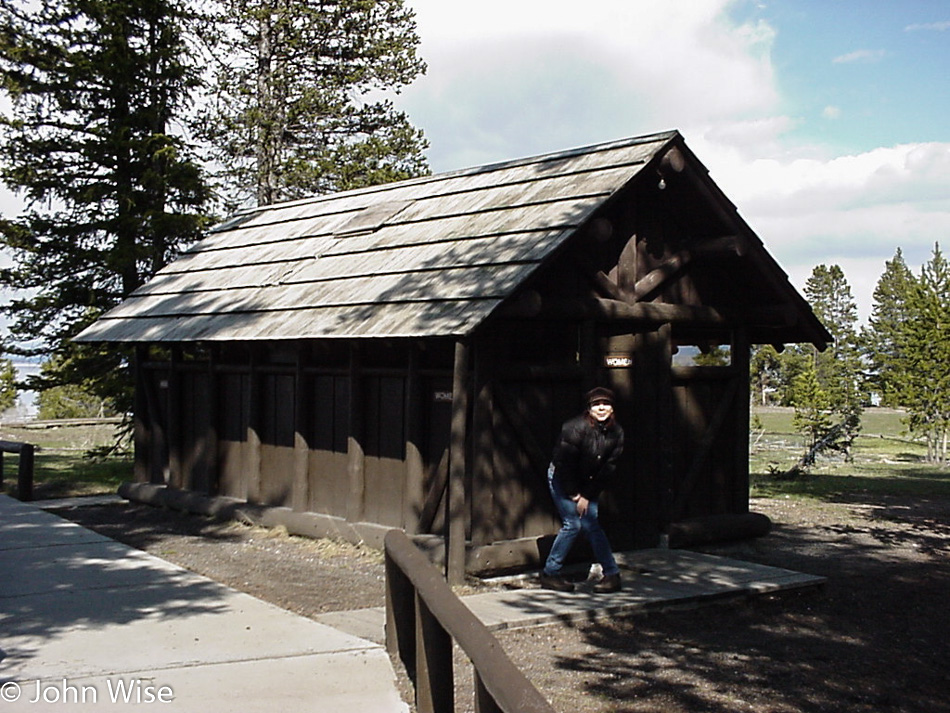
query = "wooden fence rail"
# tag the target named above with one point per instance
(423, 617)
(25, 470)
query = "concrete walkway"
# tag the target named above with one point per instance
(93, 620)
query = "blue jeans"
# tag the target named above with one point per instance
(571, 526)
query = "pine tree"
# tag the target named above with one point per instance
(296, 108)
(924, 363)
(889, 315)
(95, 89)
(8, 387)
(839, 368)
(812, 406)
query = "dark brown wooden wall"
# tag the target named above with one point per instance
(278, 435)
(327, 455)
(284, 435)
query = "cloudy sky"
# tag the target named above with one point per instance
(824, 121)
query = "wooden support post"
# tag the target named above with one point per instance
(354, 445)
(664, 391)
(415, 465)
(301, 486)
(455, 502)
(435, 684)
(176, 477)
(252, 467)
(212, 458)
(482, 516)
(141, 426)
(740, 364)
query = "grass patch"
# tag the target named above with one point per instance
(885, 462)
(62, 465)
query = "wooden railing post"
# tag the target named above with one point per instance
(435, 683)
(484, 703)
(25, 473)
(24, 470)
(423, 633)
(400, 616)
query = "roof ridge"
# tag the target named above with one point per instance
(469, 171)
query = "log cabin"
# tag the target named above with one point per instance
(402, 356)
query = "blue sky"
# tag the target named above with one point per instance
(825, 121)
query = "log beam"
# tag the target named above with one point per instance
(656, 277)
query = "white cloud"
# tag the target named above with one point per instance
(938, 26)
(831, 112)
(860, 56)
(853, 210)
(510, 78)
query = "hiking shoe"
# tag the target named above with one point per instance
(555, 582)
(610, 583)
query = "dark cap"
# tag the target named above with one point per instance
(599, 394)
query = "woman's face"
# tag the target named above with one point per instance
(601, 410)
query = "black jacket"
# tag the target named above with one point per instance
(586, 454)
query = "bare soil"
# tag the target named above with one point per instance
(876, 637)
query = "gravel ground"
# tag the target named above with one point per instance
(875, 638)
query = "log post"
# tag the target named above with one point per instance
(740, 364)
(354, 444)
(252, 468)
(301, 486)
(455, 502)
(176, 477)
(142, 424)
(415, 463)
(211, 456)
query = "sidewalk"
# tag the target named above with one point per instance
(93, 620)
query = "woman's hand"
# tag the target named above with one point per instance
(582, 505)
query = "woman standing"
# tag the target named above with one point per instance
(584, 461)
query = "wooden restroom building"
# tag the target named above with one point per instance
(403, 355)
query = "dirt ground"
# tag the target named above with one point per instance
(876, 637)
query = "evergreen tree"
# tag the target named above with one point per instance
(95, 88)
(812, 406)
(838, 368)
(923, 371)
(890, 314)
(8, 387)
(295, 109)
(68, 400)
